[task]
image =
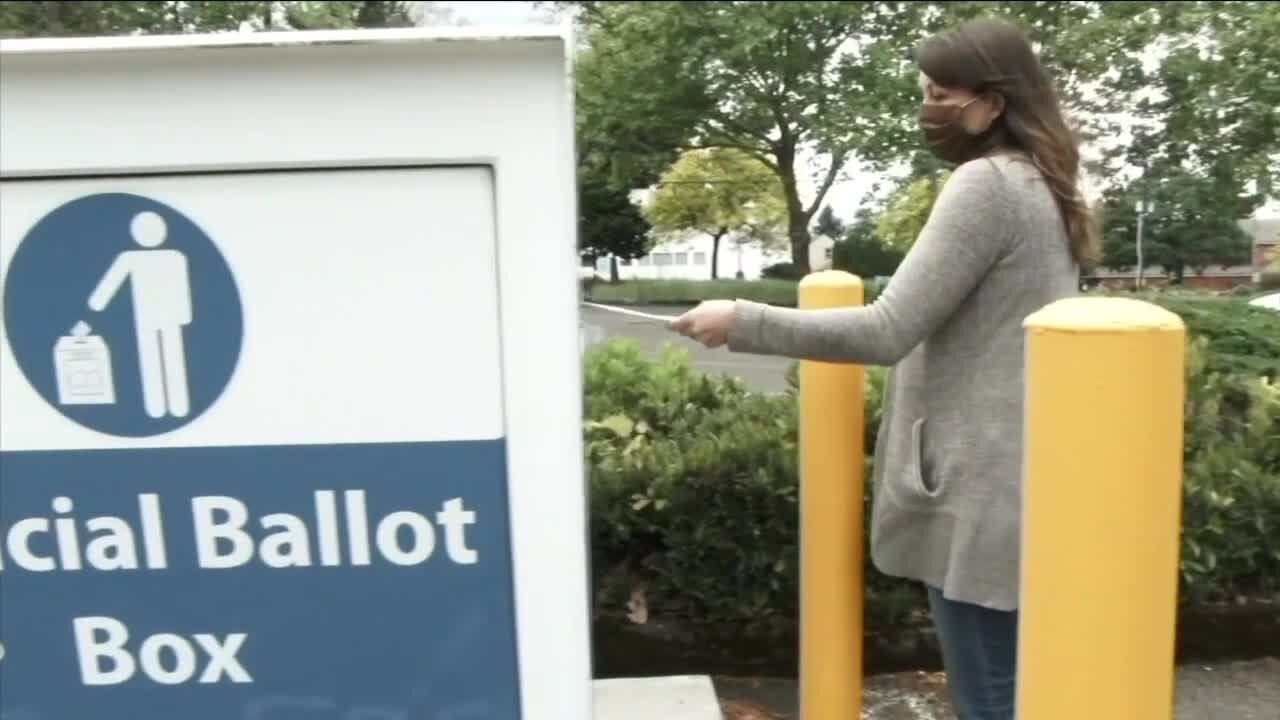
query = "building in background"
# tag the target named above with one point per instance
(821, 253)
(688, 257)
(1266, 242)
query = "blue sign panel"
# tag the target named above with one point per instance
(324, 581)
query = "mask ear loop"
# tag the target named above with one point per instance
(980, 94)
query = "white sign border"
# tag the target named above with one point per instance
(512, 110)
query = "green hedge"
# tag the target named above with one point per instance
(774, 291)
(1245, 339)
(694, 480)
(689, 292)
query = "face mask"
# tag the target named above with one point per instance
(945, 134)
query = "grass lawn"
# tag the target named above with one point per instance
(690, 292)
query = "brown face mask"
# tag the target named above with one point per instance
(945, 134)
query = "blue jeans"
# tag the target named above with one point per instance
(980, 653)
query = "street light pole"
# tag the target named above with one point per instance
(1141, 264)
(1143, 207)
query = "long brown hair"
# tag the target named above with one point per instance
(992, 56)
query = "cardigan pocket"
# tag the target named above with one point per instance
(917, 484)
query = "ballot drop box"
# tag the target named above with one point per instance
(289, 379)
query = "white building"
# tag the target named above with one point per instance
(821, 253)
(688, 257)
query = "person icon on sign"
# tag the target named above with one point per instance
(161, 290)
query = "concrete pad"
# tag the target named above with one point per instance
(1240, 690)
(664, 698)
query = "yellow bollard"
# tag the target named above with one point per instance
(832, 400)
(1102, 506)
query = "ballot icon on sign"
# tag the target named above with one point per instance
(158, 324)
(82, 364)
(161, 292)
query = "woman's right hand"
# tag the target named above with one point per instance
(709, 323)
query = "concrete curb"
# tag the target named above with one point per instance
(682, 697)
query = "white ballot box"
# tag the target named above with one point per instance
(314, 448)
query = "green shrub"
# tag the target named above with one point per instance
(1244, 339)
(782, 271)
(695, 498)
(690, 292)
(863, 254)
(693, 487)
(1231, 501)
(695, 495)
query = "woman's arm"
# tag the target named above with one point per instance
(967, 233)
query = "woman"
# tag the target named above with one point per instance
(1006, 237)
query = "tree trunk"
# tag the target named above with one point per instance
(715, 252)
(798, 233)
(797, 218)
(613, 269)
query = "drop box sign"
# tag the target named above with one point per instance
(232, 553)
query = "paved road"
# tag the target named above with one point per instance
(766, 374)
(1248, 690)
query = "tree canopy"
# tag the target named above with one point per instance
(828, 224)
(862, 253)
(23, 18)
(1209, 99)
(774, 80)
(717, 192)
(908, 211)
(609, 223)
(807, 87)
(1194, 222)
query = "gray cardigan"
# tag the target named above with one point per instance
(949, 455)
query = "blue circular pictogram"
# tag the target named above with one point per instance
(123, 314)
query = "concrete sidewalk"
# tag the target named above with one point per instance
(667, 698)
(1221, 691)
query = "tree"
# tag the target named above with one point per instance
(433, 13)
(908, 211)
(774, 80)
(101, 18)
(324, 15)
(1208, 100)
(717, 192)
(1196, 84)
(609, 223)
(98, 18)
(828, 224)
(785, 80)
(862, 253)
(1194, 223)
